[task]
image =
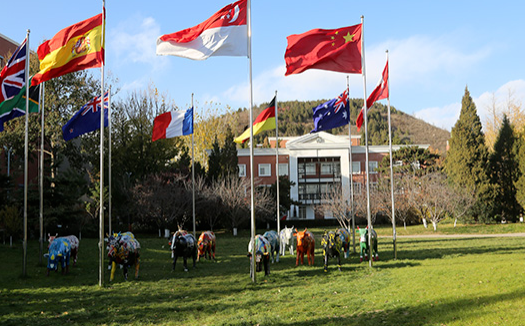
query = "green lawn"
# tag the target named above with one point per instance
(464, 281)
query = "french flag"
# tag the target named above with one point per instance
(172, 124)
(223, 34)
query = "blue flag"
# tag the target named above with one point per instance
(332, 114)
(87, 119)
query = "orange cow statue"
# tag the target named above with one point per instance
(206, 245)
(305, 245)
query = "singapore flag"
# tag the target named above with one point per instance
(223, 34)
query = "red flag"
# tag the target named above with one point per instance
(223, 34)
(74, 48)
(379, 93)
(326, 49)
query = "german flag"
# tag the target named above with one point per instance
(74, 48)
(264, 121)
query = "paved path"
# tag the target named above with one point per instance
(458, 235)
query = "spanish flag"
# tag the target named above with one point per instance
(264, 121)
(74, 48)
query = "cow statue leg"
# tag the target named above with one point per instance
(266, 263)
(339, 261)
(137, 266)
(185, 263)
(174, 261)
(113, 269)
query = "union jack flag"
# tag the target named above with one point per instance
(341, 101)
(94, 104)
(12, 77)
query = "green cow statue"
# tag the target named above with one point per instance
(363, 239)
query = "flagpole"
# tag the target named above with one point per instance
(101, 208)
(351, 165)
(252, 200)
(41, 172)
(26, 153)
(277, 165)
(109, 153)
(193, 165)
(394, 235)
(369, 219)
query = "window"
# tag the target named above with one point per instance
(310, 169)
(242, 170)
(356, 167)
(265, 170)
(372, 166)
(283, 169)
(327, 168)
(302, 212)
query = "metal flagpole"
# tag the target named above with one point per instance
(26, 153)
(193, 165)
(369, 219)
(394, 235)
(41, 172)
(252, 199)
(109, 155)
(101, 208)
(277, 166)
(351, 165)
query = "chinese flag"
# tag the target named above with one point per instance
(326, 49)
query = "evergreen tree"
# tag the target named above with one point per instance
(520, 182)
(467, 158)
(214, 161)
(504, 171)
(229, 155)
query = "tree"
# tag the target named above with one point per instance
(436, 195)
(336, 204)
(467, 159)
(520, 182)
(285, 201)
(233, 193)
(504, 171)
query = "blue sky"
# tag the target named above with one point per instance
(436, 48)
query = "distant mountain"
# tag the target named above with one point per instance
(295, 119)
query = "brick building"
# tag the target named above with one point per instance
(314, 162)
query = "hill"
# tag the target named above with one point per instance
(296, 119)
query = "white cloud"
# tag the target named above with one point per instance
(132, 41)
(446, 116)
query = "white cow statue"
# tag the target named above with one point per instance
(286, 239)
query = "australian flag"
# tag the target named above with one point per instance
(332, 114)
(87, 119)
(12, 77)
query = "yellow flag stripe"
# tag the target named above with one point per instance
(268, 124)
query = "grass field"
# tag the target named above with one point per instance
(459, 281)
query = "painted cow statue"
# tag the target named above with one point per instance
(344, 235)
(363, 241)
(123, 249)
(332, 248)
(59, 254)
(305, 245)
(262, 254)
(73, 241)
(286, 240)
(273, 239)
(185, 246)
(206, 245)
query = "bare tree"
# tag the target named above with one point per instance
(234, 195)
(436, 196)
(335, 203)
(461, 201)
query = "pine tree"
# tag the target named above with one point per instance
(520, 183)
(229, 155)
(467, 158)
(504, 171)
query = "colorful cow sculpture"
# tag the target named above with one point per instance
(286, 239)
(73, 241)
(273, 239)
(206, 245)
(123, 249)
(305, 245)
(183, 245)
(344, 235)
(332, 248)
(59, 253)
(262, 254)
(363, 240)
